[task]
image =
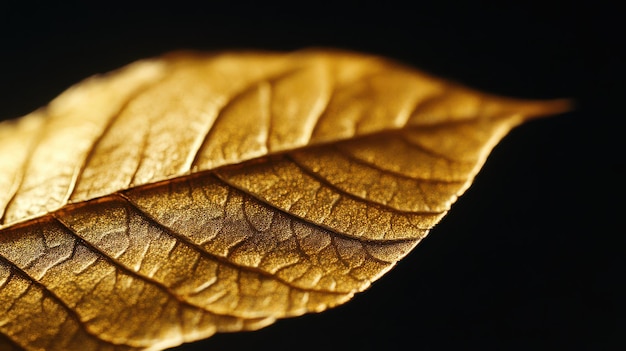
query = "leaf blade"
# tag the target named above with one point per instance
(294, 182)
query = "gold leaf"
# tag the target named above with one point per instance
(194, 194)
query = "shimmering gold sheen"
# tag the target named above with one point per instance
(193, 194)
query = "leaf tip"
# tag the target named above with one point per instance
(541, 108)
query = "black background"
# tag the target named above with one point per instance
(532, 256)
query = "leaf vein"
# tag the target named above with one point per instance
(22, 173)
(211, 256)
(54, 297)
(197, 154)
(105, 131)
(375, 242)
(393, 173)
(7, 339)
(124, 269)
(355, 197)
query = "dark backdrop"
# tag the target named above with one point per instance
(532, 255)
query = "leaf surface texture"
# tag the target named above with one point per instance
(192, 194)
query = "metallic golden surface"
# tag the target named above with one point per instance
(193, 194)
